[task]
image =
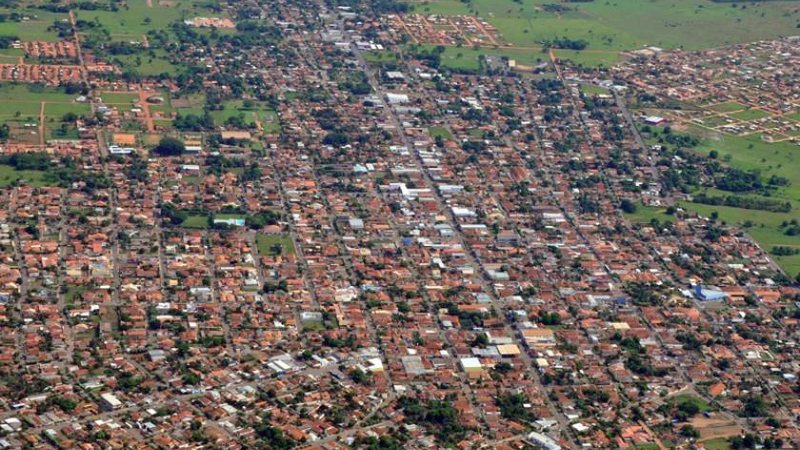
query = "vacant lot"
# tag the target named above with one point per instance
(715, 427)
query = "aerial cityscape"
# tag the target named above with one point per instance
(400, 224)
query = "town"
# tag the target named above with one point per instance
(359, 225)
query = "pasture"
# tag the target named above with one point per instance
(24, 106)
(137, 17)
(34, 25)
(614, 26)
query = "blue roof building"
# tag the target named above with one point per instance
(708, 293)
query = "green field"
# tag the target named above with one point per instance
(646, 214)
(34, 28)
(591, 89)
(378, 57)
(726, 107)
(439, 132)
(589, 58)
(259, 111)
(196, 222)
(468, 58)
(717, 444)
(119, 98)
(702, 405)
(8, 176)
(614, 26)
(646, 446)
(781, 159)
(750, 114)
(135, 19)
(267, 244)
(21, 105)
(765, 230)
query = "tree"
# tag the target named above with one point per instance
(689, 432)
(169, 146)
(754, 407)
(628, 206)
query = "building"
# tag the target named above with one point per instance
(109, 402)
(538, 337)
(708, 293)
(472, 367)
(542, 441)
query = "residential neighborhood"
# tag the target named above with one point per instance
(318, 227)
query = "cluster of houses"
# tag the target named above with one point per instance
(434, 241)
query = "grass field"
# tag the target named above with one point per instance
(591, 89)
(8, 176)
(34, 28)
(378, 57)
(439, 132)
(727, 107)
(119, 98)
(645, 214)
(267, 244)
(147, 64)
(717, 444)
(627, 24)
(468, 58)
(646, 446)
(701, 404)
(135, 19)
(750, 114)
(589, 58)
(259, 111)
(21, 105)
(196, 222)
